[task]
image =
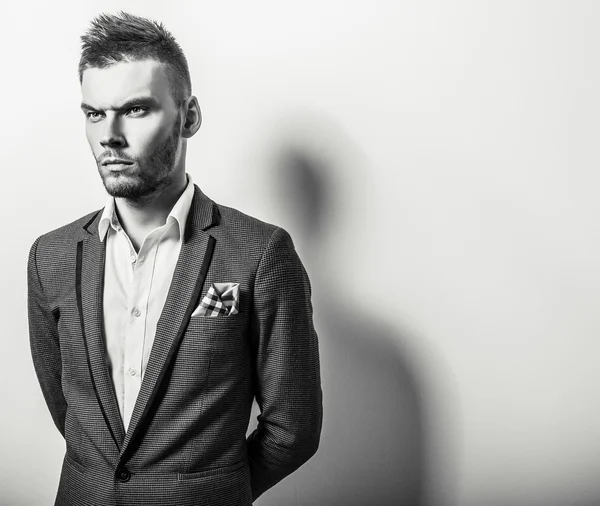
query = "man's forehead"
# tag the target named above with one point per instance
(107, 87)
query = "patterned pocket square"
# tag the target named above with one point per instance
(221, 299)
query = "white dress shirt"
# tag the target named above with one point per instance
(135, 290)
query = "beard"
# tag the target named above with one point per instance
(149, 173)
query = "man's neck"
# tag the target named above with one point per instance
(138, 218)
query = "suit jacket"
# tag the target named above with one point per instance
(186, 443)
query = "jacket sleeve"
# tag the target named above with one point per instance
(288, 385)
(44, 342)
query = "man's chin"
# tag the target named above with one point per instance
(122, 186)
(128, 193)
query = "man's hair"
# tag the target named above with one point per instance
(114, 38)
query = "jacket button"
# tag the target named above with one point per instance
(123, 474)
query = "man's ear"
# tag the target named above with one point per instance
(192, 119)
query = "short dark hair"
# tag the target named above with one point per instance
(114, 38)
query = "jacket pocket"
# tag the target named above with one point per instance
(218, 324)
(216, 471)
(76, 466)
(219, 334)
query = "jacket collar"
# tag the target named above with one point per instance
(203, 214)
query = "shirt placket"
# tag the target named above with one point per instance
(136, 323)
(124, 272)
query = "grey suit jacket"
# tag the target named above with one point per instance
(186, 443)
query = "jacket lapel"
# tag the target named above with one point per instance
(89, 286)
(188, 278)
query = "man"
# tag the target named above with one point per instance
(156, 320)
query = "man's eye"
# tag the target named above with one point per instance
(137, 110)
(93, 115)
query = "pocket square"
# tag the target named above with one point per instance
(221, 299)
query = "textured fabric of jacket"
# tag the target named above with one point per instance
(186, 443)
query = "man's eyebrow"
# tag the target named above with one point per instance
(133, 102)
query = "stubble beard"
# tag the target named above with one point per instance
(150, 174)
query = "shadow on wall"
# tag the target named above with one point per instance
(372, 443)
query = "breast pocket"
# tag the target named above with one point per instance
(212, 346)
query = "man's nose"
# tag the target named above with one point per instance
(112, 135)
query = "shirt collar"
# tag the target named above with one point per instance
(179, 212)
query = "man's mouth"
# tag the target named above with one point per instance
(116, 161)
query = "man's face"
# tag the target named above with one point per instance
(133, 127)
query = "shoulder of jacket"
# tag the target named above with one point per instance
(69, 232)
(245, 225)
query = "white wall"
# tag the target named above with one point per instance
(437, 165)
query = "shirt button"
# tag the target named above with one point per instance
(132, 371)
(136, 312)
